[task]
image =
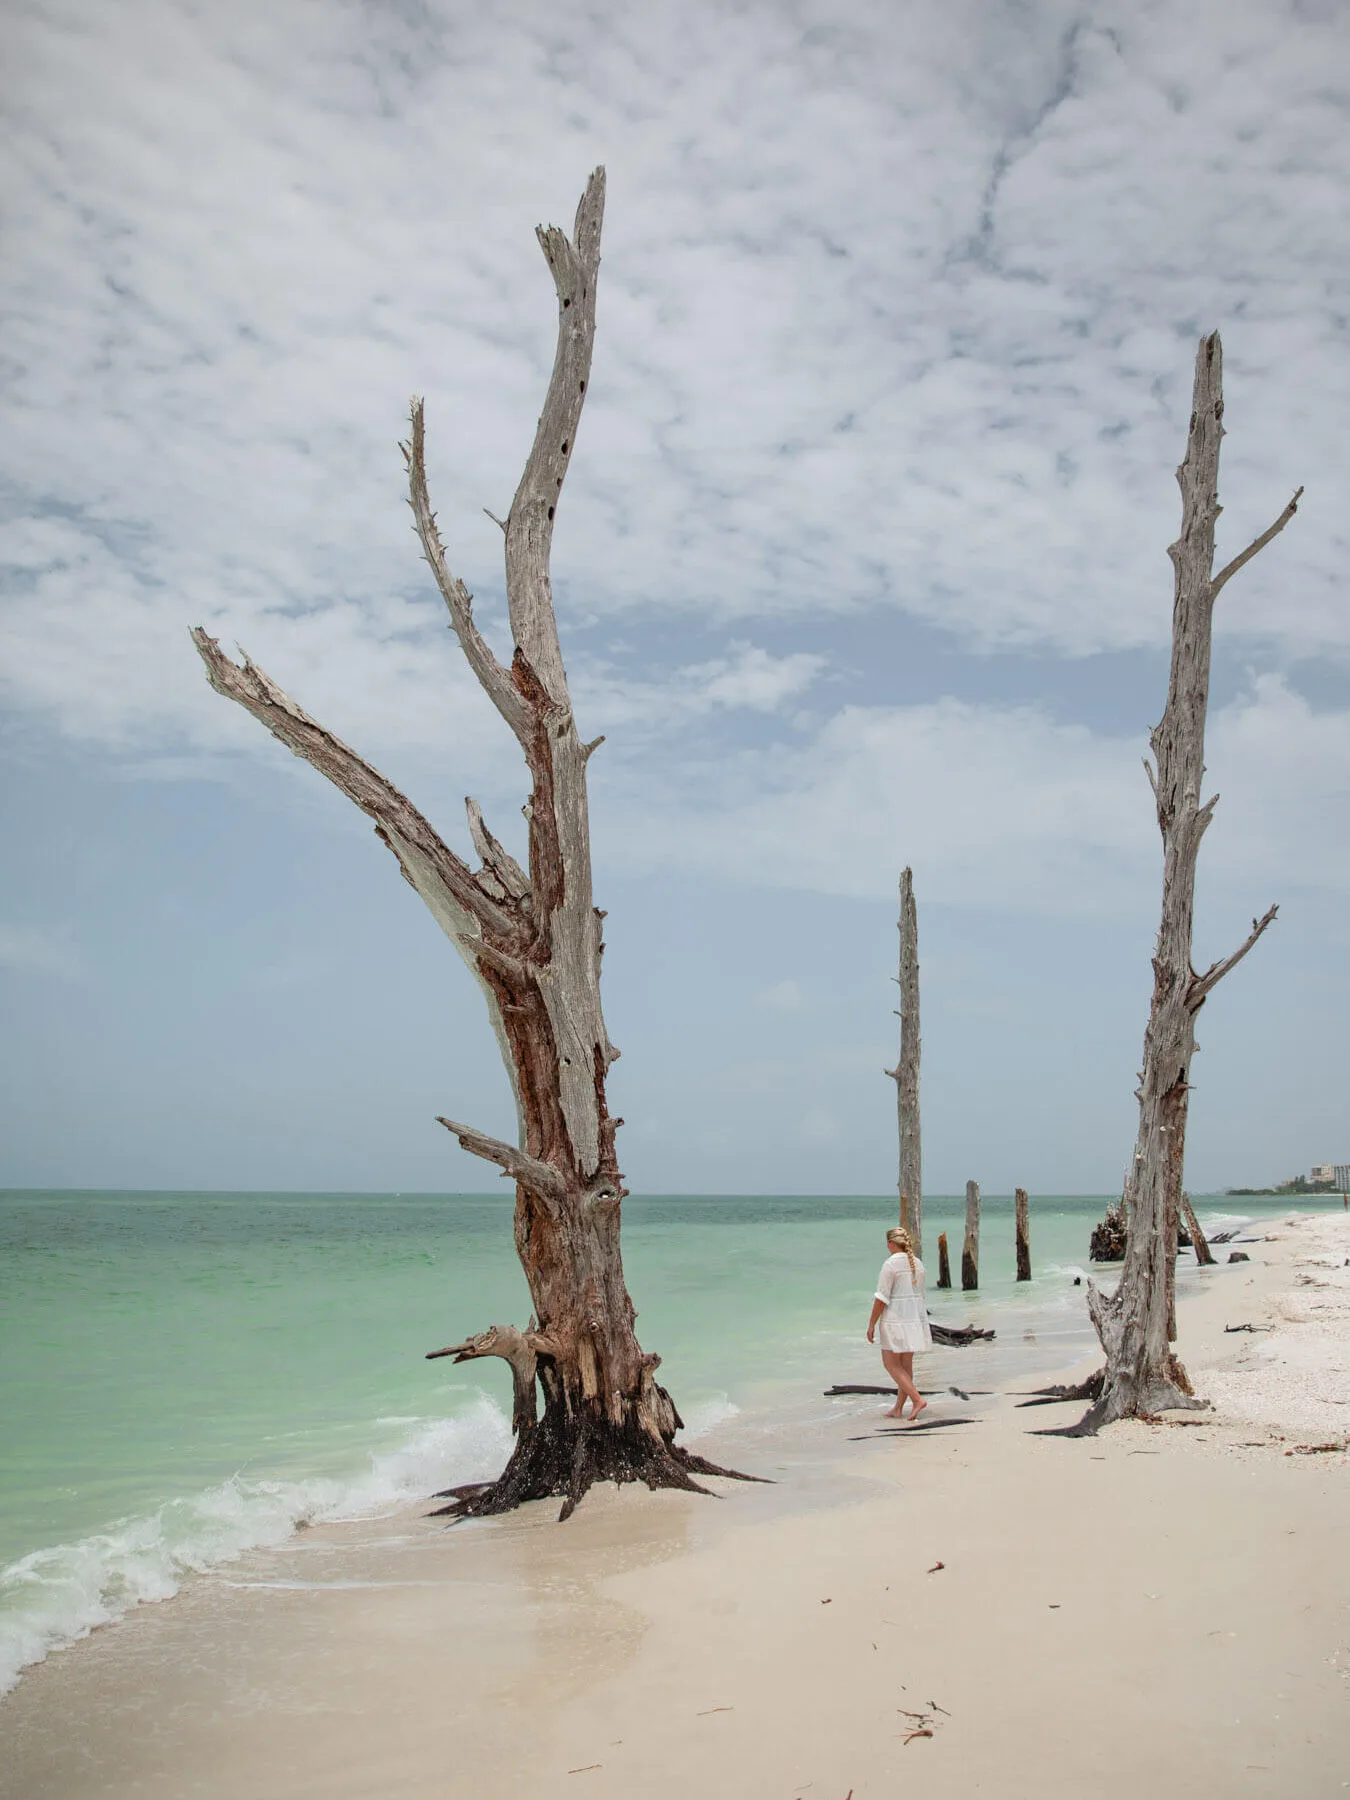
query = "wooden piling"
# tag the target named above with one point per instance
(970, 1249)
(944, 1262)
(1023, 1237)
(1203, 1254)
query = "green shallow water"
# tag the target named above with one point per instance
(267, 1350)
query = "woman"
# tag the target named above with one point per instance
(902, 1315)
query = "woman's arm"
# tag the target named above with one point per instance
(878, 1307)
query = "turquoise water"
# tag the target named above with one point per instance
(189, 1374)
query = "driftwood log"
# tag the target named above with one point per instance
(1191, 1235)
(867, 1387)
(970, 1247)
(955, 1337)
(1136, 1323)
(532, 938)
(905, 1074)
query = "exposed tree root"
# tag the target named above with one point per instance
(566, 1453)
(1128, 1399)
(1054, 1396)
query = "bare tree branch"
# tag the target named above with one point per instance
(514, 1347)
(540, 1177)
(575, 265)
(495, 680)
(1257, 545)
(1214, 974)
(496, 859)
(394, 815)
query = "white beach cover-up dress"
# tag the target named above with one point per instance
(904, 1324)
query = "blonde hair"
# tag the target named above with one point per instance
(898, 1239)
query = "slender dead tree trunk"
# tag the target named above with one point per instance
(906, 1072)
(970, 1246)
(532, 939)
(1134, 1324)
(1022, 1233)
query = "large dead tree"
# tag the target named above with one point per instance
(533, 940)
(905, 1074)
(1135, 1323)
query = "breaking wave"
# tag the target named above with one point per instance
(52, 1597)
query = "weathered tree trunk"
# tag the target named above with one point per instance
(533, 941)
(1203, 1254)
(944, 1262)
(1023, 1235)
(1134, 1324)
(906, 1072)
(970, 1248)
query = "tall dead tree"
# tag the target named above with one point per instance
(1142, 1374)
(905, 1074)
(532, 939)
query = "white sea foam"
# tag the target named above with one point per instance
(706, 1415)
(52, 1597)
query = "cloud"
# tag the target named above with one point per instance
(33, 950)
(1000, 807)
(781, 997)
(897, 312)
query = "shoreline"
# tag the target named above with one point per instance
(1159, 1573)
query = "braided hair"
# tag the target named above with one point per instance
(898, 1239)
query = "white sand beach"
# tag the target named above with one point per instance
(978, 1611)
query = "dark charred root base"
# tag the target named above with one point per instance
(565, 1456)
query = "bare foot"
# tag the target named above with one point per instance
(921, 1407)
(894, 1413)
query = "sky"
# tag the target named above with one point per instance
(862, 562)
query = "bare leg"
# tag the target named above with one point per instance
(899, 1367)
(906, 1360)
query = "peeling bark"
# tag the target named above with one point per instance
(1136, 1324)
(906, 1072)
(532, 939)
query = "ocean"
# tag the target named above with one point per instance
(189, 1375)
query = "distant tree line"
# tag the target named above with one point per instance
(1299, 1184)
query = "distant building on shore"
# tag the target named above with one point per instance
(1340, 1177)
